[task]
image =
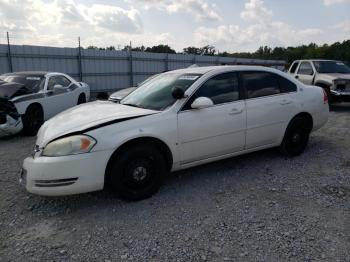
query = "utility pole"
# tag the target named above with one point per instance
(131, 66)
(80, 67)
(9, 52)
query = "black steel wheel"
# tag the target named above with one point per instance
(33, 119)
(137, 172)
(296, 137)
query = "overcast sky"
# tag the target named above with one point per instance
(229, 25)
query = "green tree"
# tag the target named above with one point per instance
(160, 49)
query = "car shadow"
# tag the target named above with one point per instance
(181, 185)
(177, 185)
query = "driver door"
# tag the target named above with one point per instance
(305, 73)
(216, 130)
(61, 99)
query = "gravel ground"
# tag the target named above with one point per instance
(257, 207)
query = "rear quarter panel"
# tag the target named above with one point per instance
(313, 103)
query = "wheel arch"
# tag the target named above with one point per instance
(322, 84)
(35, 104)
(156, 142)
(306, 116)
(83, 95)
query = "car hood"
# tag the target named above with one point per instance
(86, 117)
(331, 77)
(8, 90)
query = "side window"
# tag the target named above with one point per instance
(58, 80)
(63, 81)
(305, 69)
(223, 88)
(42, 84)
(294, 67)
(52, 82)
(286, 86)
(258, 84)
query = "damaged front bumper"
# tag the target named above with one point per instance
(12, 126)
(10, 120)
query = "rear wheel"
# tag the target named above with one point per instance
(81, 99)
(137, 172)
(296, 137)
(33, 119)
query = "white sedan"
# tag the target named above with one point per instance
(177, 120)
(27, 99)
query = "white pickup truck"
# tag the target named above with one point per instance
(333, 76)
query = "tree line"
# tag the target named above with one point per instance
(336, 51)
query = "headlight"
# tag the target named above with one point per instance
(71, 145)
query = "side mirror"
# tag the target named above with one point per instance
(202, 102)
(177, 93)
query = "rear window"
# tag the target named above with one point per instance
(286, 86)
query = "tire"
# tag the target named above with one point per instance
(137, 172)
(296, 137)
(81, 99)
(32, 120)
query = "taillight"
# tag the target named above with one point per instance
(325, 96)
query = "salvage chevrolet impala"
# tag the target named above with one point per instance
(177, 120)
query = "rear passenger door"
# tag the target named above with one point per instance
(270, 103)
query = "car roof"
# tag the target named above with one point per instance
(28, 73)
(317, 60)
(206, 69)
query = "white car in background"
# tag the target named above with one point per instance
(117, 96)
(27, 99)
(177, 120)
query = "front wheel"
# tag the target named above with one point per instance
(137, 172)
(32, 120)
(296, 137)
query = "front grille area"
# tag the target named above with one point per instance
(56, 182)
(341, 86)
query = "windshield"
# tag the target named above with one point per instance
(155, 94)
(31, 82)
(327, 67)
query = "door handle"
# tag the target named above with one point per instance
(235, 111)
(286, 102)
(297, 77)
